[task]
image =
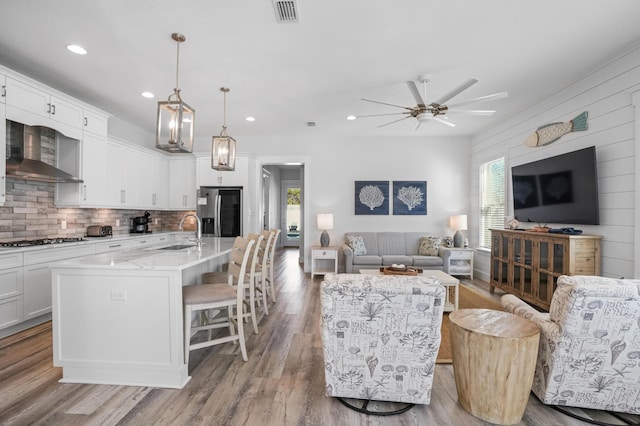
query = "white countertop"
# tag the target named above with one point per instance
(153, 258)
(90, 240)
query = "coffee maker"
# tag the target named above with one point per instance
(140, 224)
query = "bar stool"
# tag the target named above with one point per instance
(208, 297)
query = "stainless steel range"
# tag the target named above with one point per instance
(40, 242)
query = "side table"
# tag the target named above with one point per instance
(494, 359)
(457, 261)
(324, 260)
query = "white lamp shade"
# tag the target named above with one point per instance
(459, 222)
(325, 221)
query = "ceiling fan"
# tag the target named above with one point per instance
(436, 110)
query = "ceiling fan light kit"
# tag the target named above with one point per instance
(436, 110)
(174, 130)
(223, 147)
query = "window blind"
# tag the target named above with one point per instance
(492, 190)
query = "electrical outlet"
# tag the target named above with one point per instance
(117, 222)
(157, 221)
(63, 224)
(119, 295)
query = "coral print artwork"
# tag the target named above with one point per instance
(372, 197)
(410, 197)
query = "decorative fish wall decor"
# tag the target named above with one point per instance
(553, 131)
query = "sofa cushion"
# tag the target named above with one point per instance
(390, 259)
(370, 240)
(357, 245)
(412, 241)
(429, 246)
(426, 260)
(391, 243)
(367, 260)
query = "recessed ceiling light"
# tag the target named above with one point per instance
(250, 118)
(351, 117)
(78, 50)
(148, 95)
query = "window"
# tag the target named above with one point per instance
(492, 191)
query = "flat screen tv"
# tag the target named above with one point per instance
(561, 189)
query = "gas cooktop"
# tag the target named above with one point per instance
(40, 242)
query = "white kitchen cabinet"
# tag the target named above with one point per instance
(182, 183)
(145, 180)
(160, 183)
(36, 107)
(206, 176)
(3, 88)
(95, 123)
(88, 160)
(122, 176)
(111, 245)
(37, 276)
(3, 164)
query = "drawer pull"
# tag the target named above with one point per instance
(116, 245)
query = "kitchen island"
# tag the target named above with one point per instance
(117, 316)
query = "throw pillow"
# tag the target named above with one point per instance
(429, 246)
(357, 245)
(447, 242)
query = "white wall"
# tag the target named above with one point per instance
(339, 161)
(606, 93)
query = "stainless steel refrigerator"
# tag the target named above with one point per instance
(220, 209)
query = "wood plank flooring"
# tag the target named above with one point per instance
(281, 384)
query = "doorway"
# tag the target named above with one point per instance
(291, 199)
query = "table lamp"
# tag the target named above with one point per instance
(458, 223)
(325, 222)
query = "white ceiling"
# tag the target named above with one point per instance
(317, 69)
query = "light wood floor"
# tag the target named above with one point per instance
(281, 384)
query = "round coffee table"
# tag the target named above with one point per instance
(494, 358)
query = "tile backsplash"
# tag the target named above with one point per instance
(30, 213)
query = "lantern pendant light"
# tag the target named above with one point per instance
(223, 147)
(174, 132)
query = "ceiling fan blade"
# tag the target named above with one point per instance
(447, 122)
(385, 103)
(477, 112)
(395, 121)
(413, 88)
(480, 99)
(380, 115)
(417, 126)
(455, 92)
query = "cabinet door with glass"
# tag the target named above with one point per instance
(499, 260)
(551, 265)
(523, 261)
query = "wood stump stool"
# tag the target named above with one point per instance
(494, 358)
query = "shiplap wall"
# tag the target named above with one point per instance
(606, 93)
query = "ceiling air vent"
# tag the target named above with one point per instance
(286, 11)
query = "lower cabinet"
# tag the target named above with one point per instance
(528, 264)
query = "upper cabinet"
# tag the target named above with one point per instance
(206, 176)
(182, 183)
(3, 164)
(95, 123)
(31, 105)
(89, 159)
(3, 89)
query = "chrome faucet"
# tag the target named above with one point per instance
(198, 227)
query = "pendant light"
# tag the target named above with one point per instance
(174, 131)
(223, 147)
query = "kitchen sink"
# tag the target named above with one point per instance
(177, 247)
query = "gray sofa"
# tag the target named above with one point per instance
(387, 248)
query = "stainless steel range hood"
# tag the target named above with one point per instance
(25, 161)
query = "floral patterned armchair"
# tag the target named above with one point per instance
(381, 336)
(589, 353)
